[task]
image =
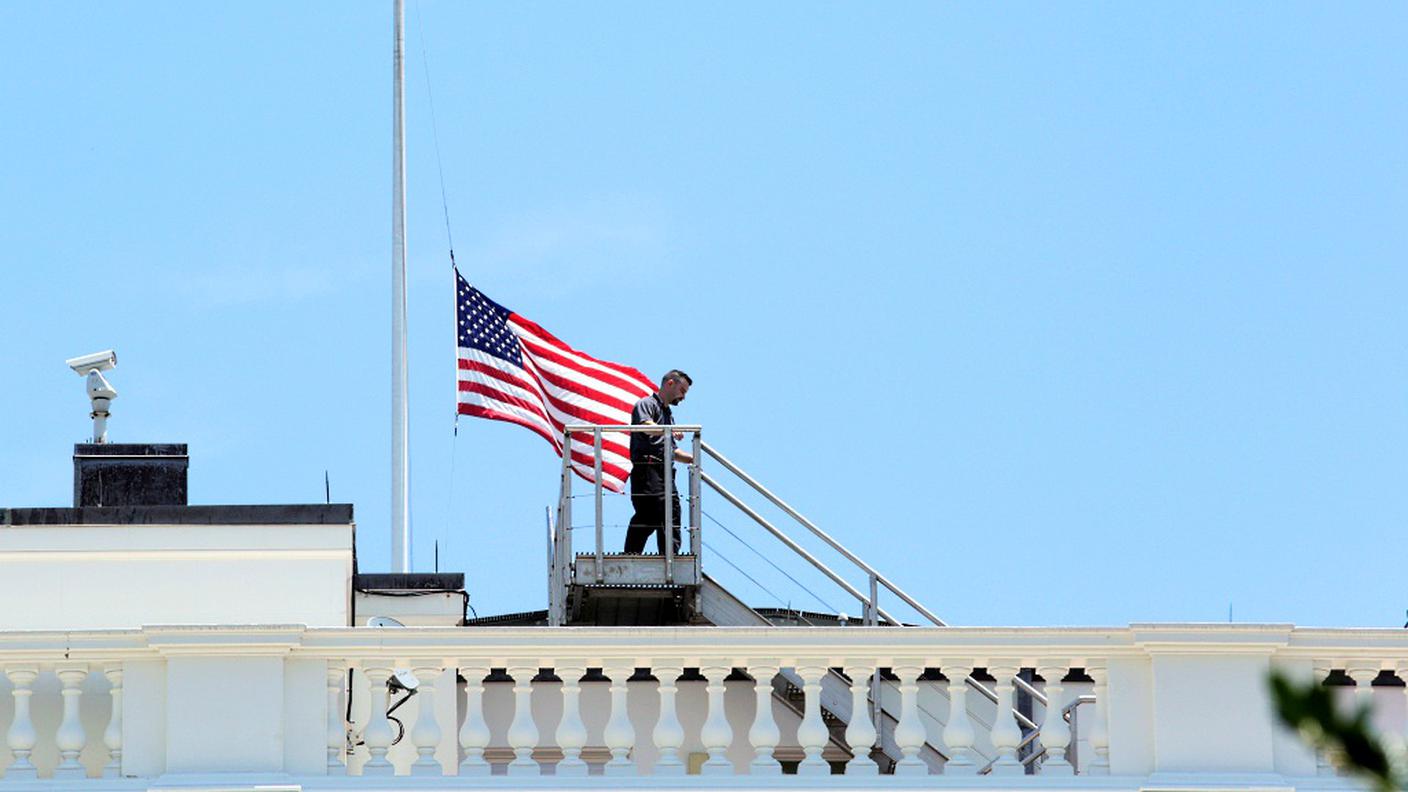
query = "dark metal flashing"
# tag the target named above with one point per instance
(128, 450)
(261, 514)
(525, 619)
(409, 581)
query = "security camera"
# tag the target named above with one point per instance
(98, 361)
(100, 391)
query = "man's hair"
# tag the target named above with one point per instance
(675, 374)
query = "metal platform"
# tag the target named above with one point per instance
(626, 570)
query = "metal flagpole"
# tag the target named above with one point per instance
(400, 464)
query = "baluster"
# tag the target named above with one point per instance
(716, 734)
(1005, 734)
(337, 726)
(1055, 732)
(812, 733)
(571, 732)
(20, 737)
(1100, 730)
(112, 735)
(860, 732)
(1323, 767)
(425, 735)
(474, 734)
(377, 734)
(70, 737)
(909, 731)
(1363, 675)
(669, 733)
(619, 735)
(764, 734)
(1402, 671)
(522, 732)
(958, 732)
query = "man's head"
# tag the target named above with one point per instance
(673, 386)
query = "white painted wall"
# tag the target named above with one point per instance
(88, 577)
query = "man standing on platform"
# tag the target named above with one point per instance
(648, 465)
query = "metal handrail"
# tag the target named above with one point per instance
(561, 562)
(822, 535)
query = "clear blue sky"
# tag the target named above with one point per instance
(1073, 314)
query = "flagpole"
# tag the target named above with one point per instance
(400, 465)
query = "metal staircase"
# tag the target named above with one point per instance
(597, 587)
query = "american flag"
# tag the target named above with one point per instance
(511, 369)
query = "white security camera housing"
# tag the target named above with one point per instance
(100, 391)
(98, 361)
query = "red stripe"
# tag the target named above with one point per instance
(484, 389)
(586, 416)
(555, 356)
(571, 386)
(575, 410)
(505, 398)
(581, 456)
(555, 341)
(557, 382)
(479, 411)
(618, 473)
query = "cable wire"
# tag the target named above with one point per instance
(435, 135)
(740, 571)
(784, 573)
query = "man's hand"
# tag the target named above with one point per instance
(679, 436)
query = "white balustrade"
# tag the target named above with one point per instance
(860, 731)
(571, 732)
(71, 737)
(1100, 729)
(764, 734)
(378, 734)
(21, 736)
(522, 733)
(53, 727)
(425, 735)
(669, 733)
(1006, 735)
(474, 734)
(619, 735)
(1401, 670)
(716, 734)
(958, 730)
(1323, 767)
(112, 735)
(337, 724)
(909, 731)
(1363, 675)
(812, 732)
(1055, 732)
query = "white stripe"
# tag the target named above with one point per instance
(613, 412)
(622, 399)
(536, 395)
(576, 356)
(479, 399)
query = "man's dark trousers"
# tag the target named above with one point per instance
(648, 496)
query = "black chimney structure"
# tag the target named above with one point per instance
(129, 474)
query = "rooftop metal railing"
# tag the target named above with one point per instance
(561, 539)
